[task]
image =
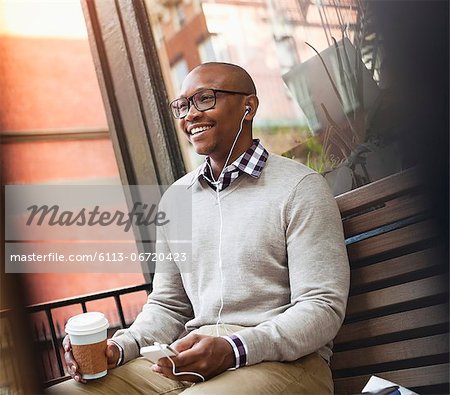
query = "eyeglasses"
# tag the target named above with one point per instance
(202, 100)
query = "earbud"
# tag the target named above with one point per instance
(247, 109)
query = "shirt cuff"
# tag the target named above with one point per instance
(120, 360)
(239, 349)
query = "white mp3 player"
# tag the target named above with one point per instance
(157, 351)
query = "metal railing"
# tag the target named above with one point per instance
(48, 335)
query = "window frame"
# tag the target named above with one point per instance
(134, 94)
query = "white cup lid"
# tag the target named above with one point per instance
(87, 323)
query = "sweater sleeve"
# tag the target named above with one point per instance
(318, 277)
(163, 317)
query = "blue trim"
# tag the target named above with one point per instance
(384, 229)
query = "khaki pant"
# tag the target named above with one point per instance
(307, 375)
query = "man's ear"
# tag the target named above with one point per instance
(252, 104)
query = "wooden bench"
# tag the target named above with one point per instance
(397, 319)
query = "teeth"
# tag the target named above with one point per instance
(199, 129)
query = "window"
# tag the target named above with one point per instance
(323, 78)
(179, 71)
(180, 16)
(206, 51)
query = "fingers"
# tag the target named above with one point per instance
(184, 358)
(188, 353)
(112, 354)
(191, 360)
(72, 367)
(77, 377)
(109, 353)
(208, 357)
(186, 342)
(66, 343)
(168, 372)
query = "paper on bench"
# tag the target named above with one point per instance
(377, 383)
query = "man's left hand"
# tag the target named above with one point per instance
(206, 355)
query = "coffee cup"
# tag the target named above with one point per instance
(88, 332)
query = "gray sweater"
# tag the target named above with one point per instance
(284, 262)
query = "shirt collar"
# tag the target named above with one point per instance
(251, 162)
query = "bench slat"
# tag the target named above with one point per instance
(392, 211)
(393, 323)
(414, 377)
(397, 317)
(398, 351)
(390, 241)
(395, 267)
(378, 191)
(408, 292)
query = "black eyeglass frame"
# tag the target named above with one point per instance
(190, 100)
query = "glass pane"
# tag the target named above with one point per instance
(318, 71)
(179, 71)
(53, 126)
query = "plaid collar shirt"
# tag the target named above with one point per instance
(251, 162)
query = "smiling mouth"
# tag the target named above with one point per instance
(199, 129)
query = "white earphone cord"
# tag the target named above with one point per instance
(219, 320)
(174, 372)
(216, 183)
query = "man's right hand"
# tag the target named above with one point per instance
(112, 354)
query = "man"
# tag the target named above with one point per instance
(268, 261)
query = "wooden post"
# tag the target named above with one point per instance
(134, 95)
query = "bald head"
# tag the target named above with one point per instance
(235, 75)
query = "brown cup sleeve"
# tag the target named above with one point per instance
(91, 358)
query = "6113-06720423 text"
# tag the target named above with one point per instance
(101, 257)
